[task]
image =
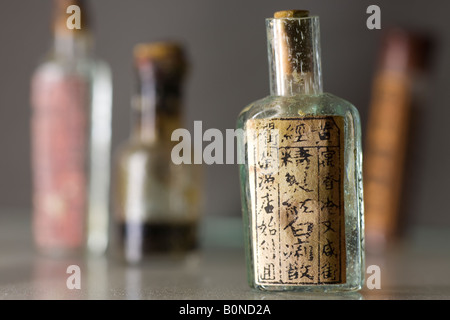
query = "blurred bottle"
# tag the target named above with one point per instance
(156, 201)
(402, 63)
(71, 97)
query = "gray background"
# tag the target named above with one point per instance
(227, 48)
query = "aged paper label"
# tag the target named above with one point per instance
(296, 168)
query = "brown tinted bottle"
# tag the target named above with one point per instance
(156, 201)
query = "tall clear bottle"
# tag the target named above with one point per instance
(71, 98)
(156, 201)
(301, 184)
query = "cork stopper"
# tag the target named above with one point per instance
(157, 50)
(169, 56)
(291, 14)
(294, 42)
(60, 16)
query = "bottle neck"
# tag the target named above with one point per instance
(72, 46)
(71, 43)
(294, 56)
(156, 105)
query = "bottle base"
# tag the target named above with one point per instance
(157, 240)
(335, 288)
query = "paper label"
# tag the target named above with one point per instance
(296, 168)
(59, 129)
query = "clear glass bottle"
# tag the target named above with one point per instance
(156, 201)
(71, 99)
(301, 184)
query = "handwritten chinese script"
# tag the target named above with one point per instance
(296, 168)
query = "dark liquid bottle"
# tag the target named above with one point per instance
(156, 200)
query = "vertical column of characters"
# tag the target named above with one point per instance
(331, 216)
(265, 217)
(298, 219)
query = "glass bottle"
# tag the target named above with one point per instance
(71, 99)
(301, 184)
(156, 201)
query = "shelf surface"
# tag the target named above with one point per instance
(416, 269)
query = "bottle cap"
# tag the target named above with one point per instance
(404, 50)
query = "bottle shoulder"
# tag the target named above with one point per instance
(134, 148)
(58, 68)
(297, 106)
